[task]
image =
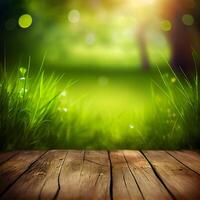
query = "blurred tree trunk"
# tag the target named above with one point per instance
(181, 50)
(180, 35)
(141, 36)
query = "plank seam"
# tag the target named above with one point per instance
(27, 169)
(133, 176)
(9, 158)
(111, 177)
(58, 190)
(83, 160)
(158, 176)
(182, 163)
(126, 184)
(97, 179)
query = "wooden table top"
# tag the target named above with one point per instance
(96, 175)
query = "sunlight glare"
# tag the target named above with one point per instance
(148, 1)
(142, 2)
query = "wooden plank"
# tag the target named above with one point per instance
(4, 156)
(41, 180)
(98, 165)
(14, 167)
(181, 181)
(150, 185)
(85, 175)
(70, 175)
(189, 158)
(124, 184)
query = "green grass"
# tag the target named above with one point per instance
(131, 111)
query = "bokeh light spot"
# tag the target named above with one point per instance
(22, 78)
(22, 70)
(131, 126)
(188, 19)
(90, 39)
(173, 79)
(25, 21)
(63, 93)
(74, 16)
(65, 110)
(166, 25)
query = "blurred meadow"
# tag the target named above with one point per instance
(99, 74)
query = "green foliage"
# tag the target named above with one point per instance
(35, 112)
(26, 108)
(181, 111)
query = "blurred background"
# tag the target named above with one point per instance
(111, 48)
(99, 34)
(112, 51)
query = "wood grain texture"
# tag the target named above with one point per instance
(148, 182)
(124, 183)
(85, 175)
(4, 156)
(99, 175)
(14, 167)
(41, 180)
(189, 158)
(181, 181)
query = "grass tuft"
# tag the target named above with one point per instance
(36, 113)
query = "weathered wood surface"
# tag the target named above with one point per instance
(180, 180)
(40, 181)
(150, 185)
(11, 170)
(188, 158)
(96, 175)
(123, 181)
(6, 156)
(85, 175)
